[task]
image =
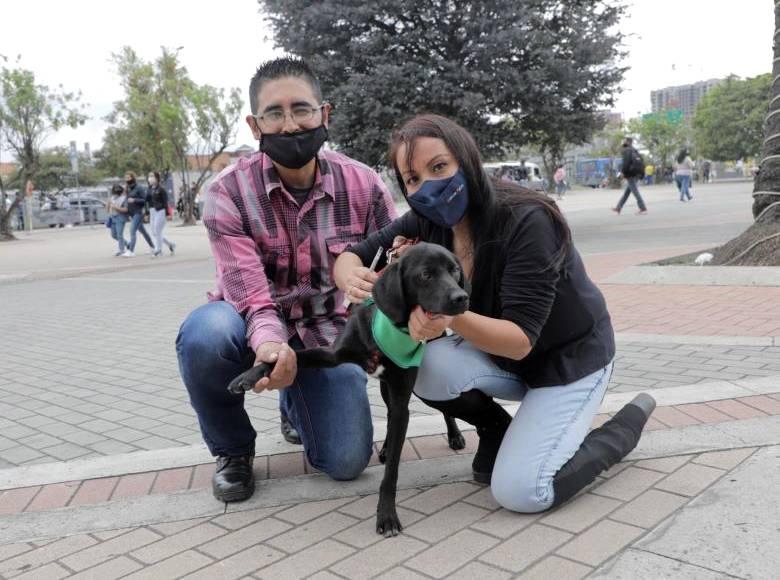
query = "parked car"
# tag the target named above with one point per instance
(529, 175)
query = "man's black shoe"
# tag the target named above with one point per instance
(289, 432)
(233, 480)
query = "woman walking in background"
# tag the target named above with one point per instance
(683, 169)
(157, 198)
(560, 181)
(117, 218)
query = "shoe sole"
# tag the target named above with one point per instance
(229, 497)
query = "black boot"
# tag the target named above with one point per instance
(234, 479)
(491, 421)
(603, 448)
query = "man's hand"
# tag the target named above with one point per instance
(360, 283)
(423, 326)
(285, 369)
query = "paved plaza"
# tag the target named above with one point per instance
(103, 473)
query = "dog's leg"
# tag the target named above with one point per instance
(454, 436)
(385, 398)
(399, 390)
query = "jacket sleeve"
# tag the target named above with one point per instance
(406, 226)
(528, 285)
(240, 272)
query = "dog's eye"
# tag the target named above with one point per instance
(425, 275)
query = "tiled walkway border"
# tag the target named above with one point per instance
(275, 466)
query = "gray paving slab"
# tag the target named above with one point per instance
(731, 527)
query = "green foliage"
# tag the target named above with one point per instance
(511, 72)
(165, 117)
(29, 113)
(729, 121)
(661, 135)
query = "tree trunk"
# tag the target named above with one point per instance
(759, 245)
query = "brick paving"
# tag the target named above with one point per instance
(281, 465)
(452, 531)
(97, 389)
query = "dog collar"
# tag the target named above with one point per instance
(395, 342)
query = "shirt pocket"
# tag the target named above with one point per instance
(338, 244)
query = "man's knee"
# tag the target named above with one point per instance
(214, 330)
(349, 461)
(520, 493)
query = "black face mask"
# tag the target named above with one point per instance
(294, 150)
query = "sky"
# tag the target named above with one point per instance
(669, 42)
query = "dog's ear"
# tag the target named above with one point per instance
(389, 294)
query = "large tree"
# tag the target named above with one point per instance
(729, 120)
(510, 71)
(759, 245)
(29, 113)
(164, 118)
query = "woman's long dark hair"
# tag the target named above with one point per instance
(682, 155)
(490, 206)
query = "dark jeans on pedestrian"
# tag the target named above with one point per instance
(631, 187)
(137, 225)
(328, 407)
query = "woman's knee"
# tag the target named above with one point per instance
(520, 493)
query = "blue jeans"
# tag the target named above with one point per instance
(546, 431)
(328, 407)
(118, 222)
(136, 225)
(631, 187)
(683, 185)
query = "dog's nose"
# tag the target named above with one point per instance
(459, 299)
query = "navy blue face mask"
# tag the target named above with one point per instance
(442, 201)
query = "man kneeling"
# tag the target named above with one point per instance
(276, 222)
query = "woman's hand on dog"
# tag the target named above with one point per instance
(359, 284)
(423, 326)
(285, 367)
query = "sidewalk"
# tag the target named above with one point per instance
(103, 474)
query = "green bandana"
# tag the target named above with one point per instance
(395, 342)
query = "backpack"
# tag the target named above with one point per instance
(637, 164)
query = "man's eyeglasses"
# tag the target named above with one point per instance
(300, 114)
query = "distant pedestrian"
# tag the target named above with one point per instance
(683, 170)
(649, 173)
(136, 204)
(706, 166)
(157, 198)
(117, 217)
(633, 169)
(560, 181)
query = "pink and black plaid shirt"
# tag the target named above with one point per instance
(275, 259)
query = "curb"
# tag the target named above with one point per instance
(178, 506)
(270, 445)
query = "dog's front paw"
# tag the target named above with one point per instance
(387, 522)
(456, 441)
(246, 381)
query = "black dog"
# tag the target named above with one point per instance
(426, 275)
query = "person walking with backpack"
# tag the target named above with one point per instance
(633, 169)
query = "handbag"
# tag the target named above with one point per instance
(109, 221)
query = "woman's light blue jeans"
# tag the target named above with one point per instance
(547, 430)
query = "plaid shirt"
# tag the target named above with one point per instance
(275, 259)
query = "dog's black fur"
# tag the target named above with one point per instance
(426, 275)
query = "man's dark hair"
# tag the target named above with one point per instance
(278, 68)
(628, 142)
